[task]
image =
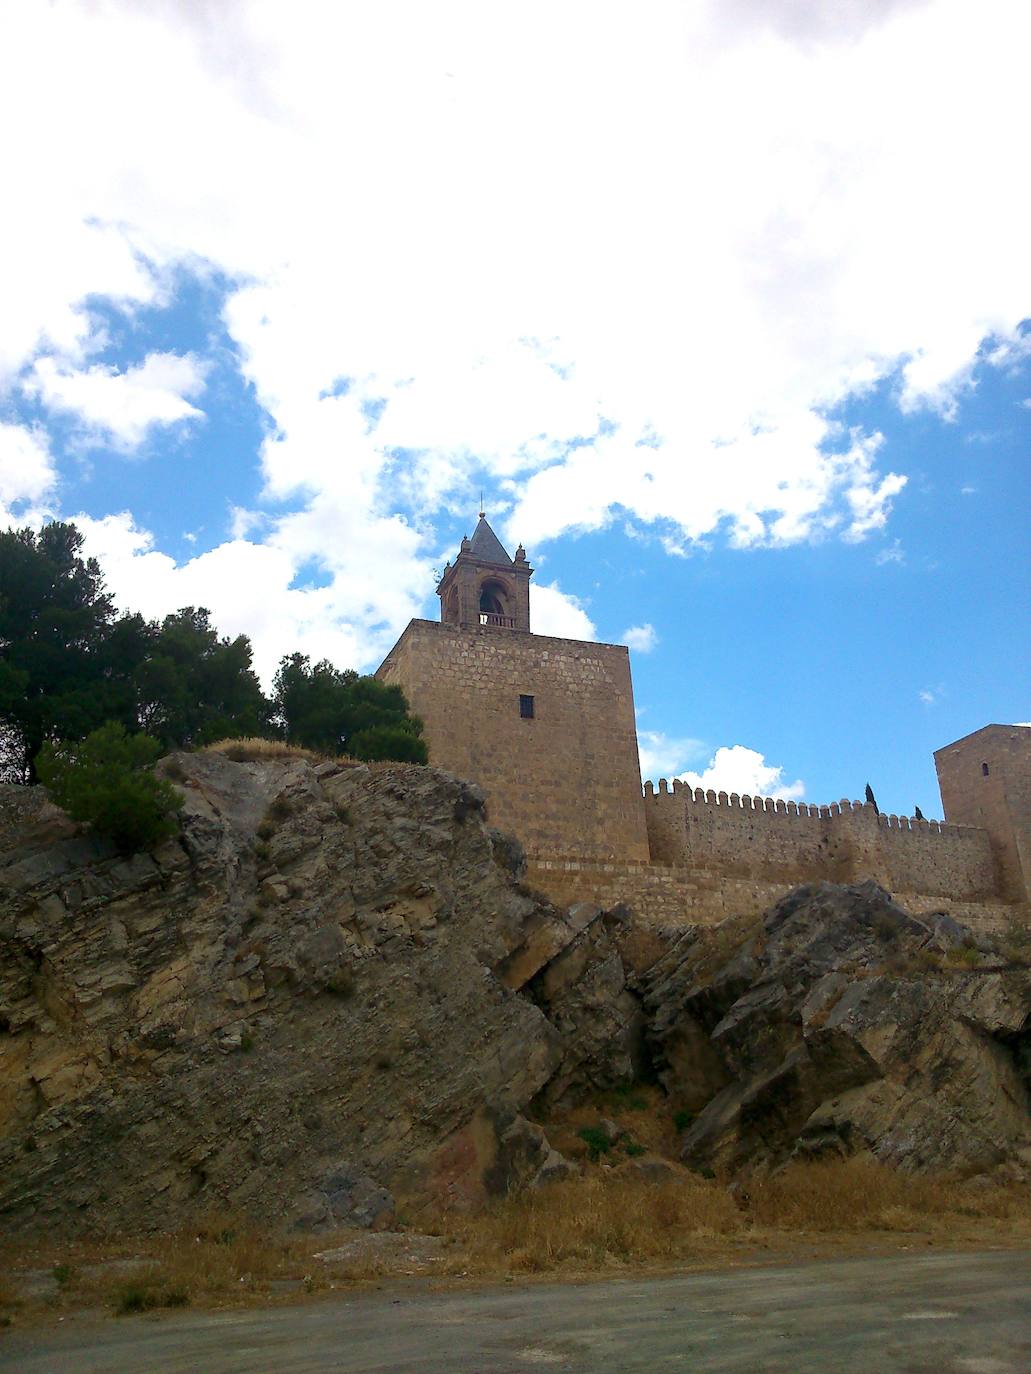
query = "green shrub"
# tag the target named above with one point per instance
(596, 1140)
(340, 983)
(134, 1299)
(105, 780)
(634, 1148)
(397, 743)
(138, 1298)
(683, 1119)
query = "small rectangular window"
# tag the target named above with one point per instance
(526, 707)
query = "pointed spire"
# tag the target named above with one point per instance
(486, 545)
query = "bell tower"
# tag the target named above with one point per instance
(484, 587)
(544, 725)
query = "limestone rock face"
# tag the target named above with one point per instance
(295, 1009)
(843, 1024)
(332, 998)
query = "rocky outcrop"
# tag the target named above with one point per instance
(304, 1007)
(332, 997)
(840, 1023)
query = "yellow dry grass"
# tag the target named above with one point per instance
(254, 749)
(855, 1195)
(607, 1220)
(598, 1222)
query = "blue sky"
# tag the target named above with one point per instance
(741, 353)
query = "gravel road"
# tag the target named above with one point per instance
(922, 1314)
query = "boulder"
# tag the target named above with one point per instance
(841, 1023)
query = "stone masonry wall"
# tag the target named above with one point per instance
(785, 842)
(670, 897)
(985, 781)
(566, 781)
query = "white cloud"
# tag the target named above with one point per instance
(927, 696)
(635, 297)
(894, 553)
(122, 406)
(254, 589)
(745, 771)
(27, 474)
(642, 639)
(663, 756)
(555, 612)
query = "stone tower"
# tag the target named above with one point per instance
(985, 781)
(484, 586)
(544, 725)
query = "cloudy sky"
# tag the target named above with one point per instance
(724, 306)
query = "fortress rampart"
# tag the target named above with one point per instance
(546, 726)
(763, 840)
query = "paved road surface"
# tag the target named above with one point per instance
(925, 1314)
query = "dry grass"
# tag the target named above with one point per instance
(255, 750)
(848, 1196)
(604, 1221)
(218, 1264)
(607, 1219)
(640, 1110)
(598, 1222)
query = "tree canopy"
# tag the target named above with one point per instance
(338, 712)
(70, 664)
(106, 781)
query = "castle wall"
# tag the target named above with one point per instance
(566, 781)
(985, 780)
(669, 898)
(785, 842)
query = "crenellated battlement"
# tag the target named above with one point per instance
(777, 806)
(773, 840)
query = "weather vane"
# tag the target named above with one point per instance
(483, 514)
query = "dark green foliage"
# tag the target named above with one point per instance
(55, 634)
(194, 687)
(105, 781)
(134, 1299)
(397, 742)
(634, 1148)
(335, 711)
(138, 1298)
(341, 983)
(69, 663)
(596, 1140)
(682, 1119)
